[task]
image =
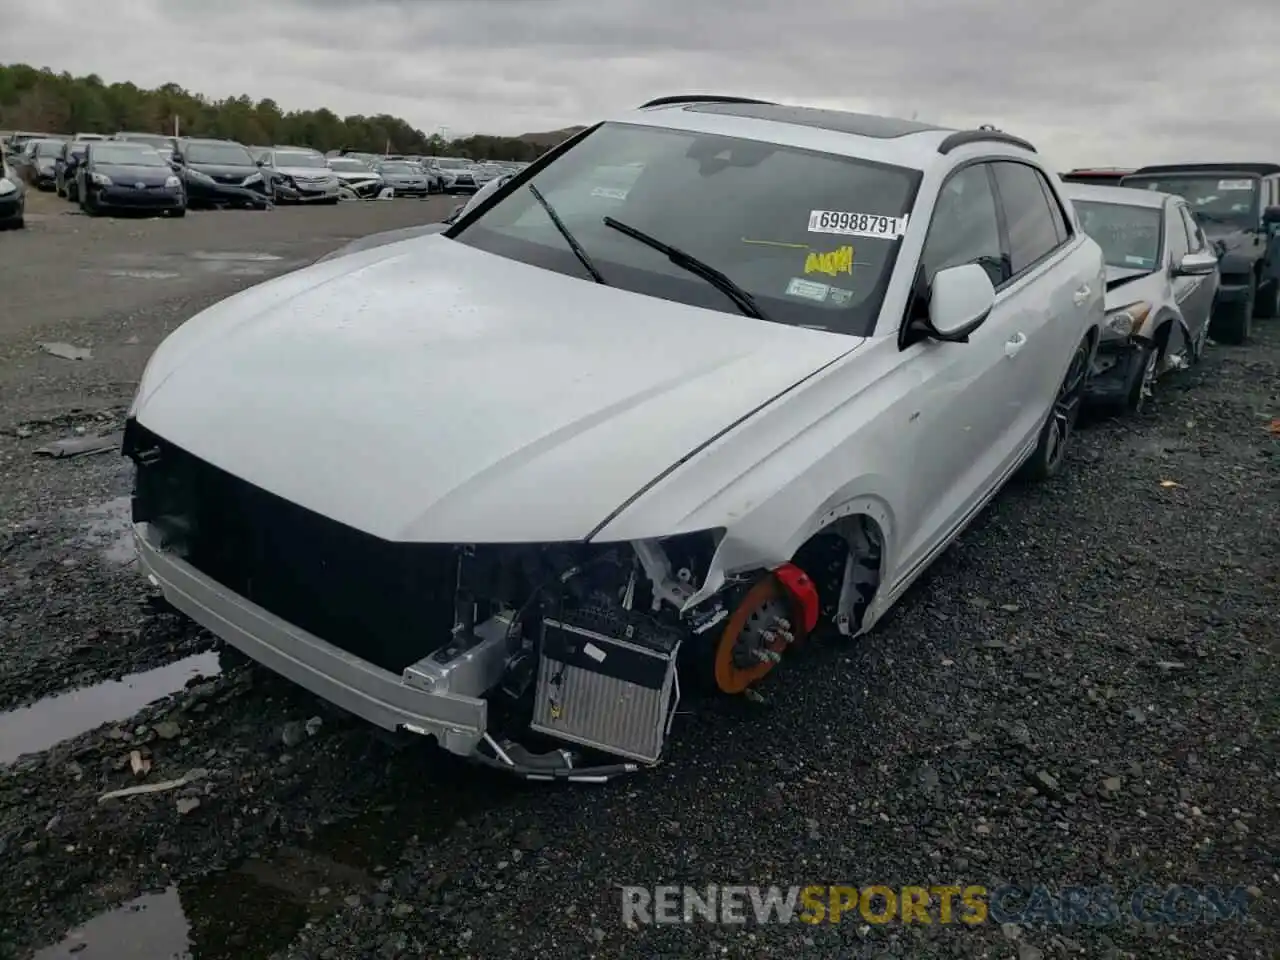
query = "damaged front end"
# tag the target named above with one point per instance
(487, 648)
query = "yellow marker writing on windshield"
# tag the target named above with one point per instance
(836, 262)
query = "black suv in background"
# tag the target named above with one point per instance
(1237, 205)
(219, 173)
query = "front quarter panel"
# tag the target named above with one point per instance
(831, 447)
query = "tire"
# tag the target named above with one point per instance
(20, 223)
(1146, 365)
(1232, 323)
(179, 213)
(1268, 305)
(1050, 454)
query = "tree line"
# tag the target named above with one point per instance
(44, 101)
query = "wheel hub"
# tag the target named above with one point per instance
(766, 631)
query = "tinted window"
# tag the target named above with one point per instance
(1128, 235)
(297, 158)
(965, 228)
(1030, 223)
(1179, 246)
(812, 237)
(231, 154)
(1060, 224)
(1230, 199)
(1197, 241)
(127, 154)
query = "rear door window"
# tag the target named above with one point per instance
(1033, 232)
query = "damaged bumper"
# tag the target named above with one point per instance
(355, 685)
(224, 193)
(413, 702)
(1117, 368)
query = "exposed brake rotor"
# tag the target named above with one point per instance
(755, 636)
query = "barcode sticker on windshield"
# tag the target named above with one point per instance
(1235, 184)
(847, 224)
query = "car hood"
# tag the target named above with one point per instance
(1127, 285)
(355, 176)
(131, 173)
(224, 169)
(428, 391)
(306, 173)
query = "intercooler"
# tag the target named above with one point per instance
(607, 679)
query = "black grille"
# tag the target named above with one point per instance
(388, 603)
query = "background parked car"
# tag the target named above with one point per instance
(163, 144)
(458, 175)
(118, 174)
(405, 178)
(65, 165)
(219, 173)
(299, 175)
(1162, 277)
(13, 196)
(36, 162)
(1234, 203)
(357, 176)
(1099, 176)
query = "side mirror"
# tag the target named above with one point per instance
(1271, 216)
(260, 162)
(1196, 264)
(960, 299)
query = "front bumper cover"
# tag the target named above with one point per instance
(1117, 367)
(458, 723)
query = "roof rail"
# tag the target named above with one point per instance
(984, 133)
(701, 98)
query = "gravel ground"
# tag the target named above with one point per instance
(1080, 692)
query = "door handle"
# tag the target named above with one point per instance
(1081, 295)
(1014, 344)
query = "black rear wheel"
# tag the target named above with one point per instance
(1059, 427)
(1232, 323)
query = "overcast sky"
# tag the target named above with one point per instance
(1108, 82)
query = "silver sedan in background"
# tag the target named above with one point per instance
(1162, 277)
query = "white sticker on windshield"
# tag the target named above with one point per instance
(1235, 184)
(610, 193)
(808, 289)
(841, 297)
(846, 224)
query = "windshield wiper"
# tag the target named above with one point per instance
(744, 301)
(569, 238)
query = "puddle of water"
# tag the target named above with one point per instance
(229, 915)
(109, 529)
(64, 715)
(234, 256)
(144, 274)
(152, 927)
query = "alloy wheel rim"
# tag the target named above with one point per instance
(1066, 406)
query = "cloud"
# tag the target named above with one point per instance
(1089, 81)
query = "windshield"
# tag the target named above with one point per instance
(229, 154)
(1217, 199)
(132, 154)
(341, 163)
(811, 237)
(1129, 236)
(297, 158)
(405, 168)
(449, 163)
(47, 148)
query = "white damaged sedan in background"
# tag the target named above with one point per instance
(507, 485)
